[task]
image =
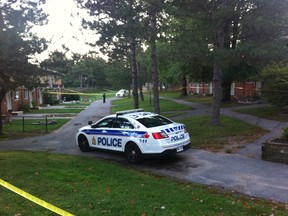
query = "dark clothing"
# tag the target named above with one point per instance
(104, 98)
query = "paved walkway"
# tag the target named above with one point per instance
(252, 149)
(243, 172)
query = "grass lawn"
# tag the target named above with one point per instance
(51, 110)
(81, 105)
(192, 98)
(89, 186)
(14, 129)
(231, 132)
(165, 105)
(269, 112)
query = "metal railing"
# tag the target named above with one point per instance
(31, 123)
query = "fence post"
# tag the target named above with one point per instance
(23, 123)
(46, 125)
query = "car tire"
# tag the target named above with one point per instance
(83, 144)
(133, 153)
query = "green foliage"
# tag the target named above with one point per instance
(50, 99)
(251, 39)
(25, 107)
(34, 104)
(285, 133)
(59, 62)
(275, 87)
(118, 76)
(17, 44)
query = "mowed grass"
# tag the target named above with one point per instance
(147, 105)
(267, 112)
(51, 110)
(192, 98)
(32, 127)
(89, 186)
(230, 132)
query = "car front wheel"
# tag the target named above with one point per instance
(133, 153)
(83, 144)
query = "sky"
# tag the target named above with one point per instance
(62, 28)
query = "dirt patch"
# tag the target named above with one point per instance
(238, 142)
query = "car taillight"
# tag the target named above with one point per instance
(146, 135)
(160, 135)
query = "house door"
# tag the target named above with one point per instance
(30, 99)
(40, 96)
(9, 101)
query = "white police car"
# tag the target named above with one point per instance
(136, 133)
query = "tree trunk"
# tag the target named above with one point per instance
(134, 74)
(226, 90)
(1, 127)
(2, 96)
(140, 83)
(184, 85)
(217, 95)
(217, 73)
(155, 75)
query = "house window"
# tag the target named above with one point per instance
(16, 95)
(26, 94)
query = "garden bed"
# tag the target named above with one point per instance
(275, 150)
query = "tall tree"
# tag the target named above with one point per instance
(244, 30)
(118, 75)
(120, 28)
(184, 55)
(57, 61)
(154, 9)
(17, 44)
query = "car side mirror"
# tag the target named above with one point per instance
(90, 122)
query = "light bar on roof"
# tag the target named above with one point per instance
(128, 111)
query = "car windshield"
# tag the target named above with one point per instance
(154, 121)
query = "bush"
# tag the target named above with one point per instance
(25, 107)
(276, 84)
(34, 104)
(50, 99)
(285, 133)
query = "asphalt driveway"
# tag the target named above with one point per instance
(243, 172)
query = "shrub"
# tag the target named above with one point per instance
(285, 133)
(275, 87)
(25, 107)
(34, 104)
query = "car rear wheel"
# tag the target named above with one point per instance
(83, 144)
(133, 153)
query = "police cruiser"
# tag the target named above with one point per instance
(136, 133)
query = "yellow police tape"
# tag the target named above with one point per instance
(74, 93)
(34, 199)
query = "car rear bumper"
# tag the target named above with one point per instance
(167, 152)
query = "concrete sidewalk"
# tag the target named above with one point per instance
(243, 172)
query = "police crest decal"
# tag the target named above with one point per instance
(93, 141)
